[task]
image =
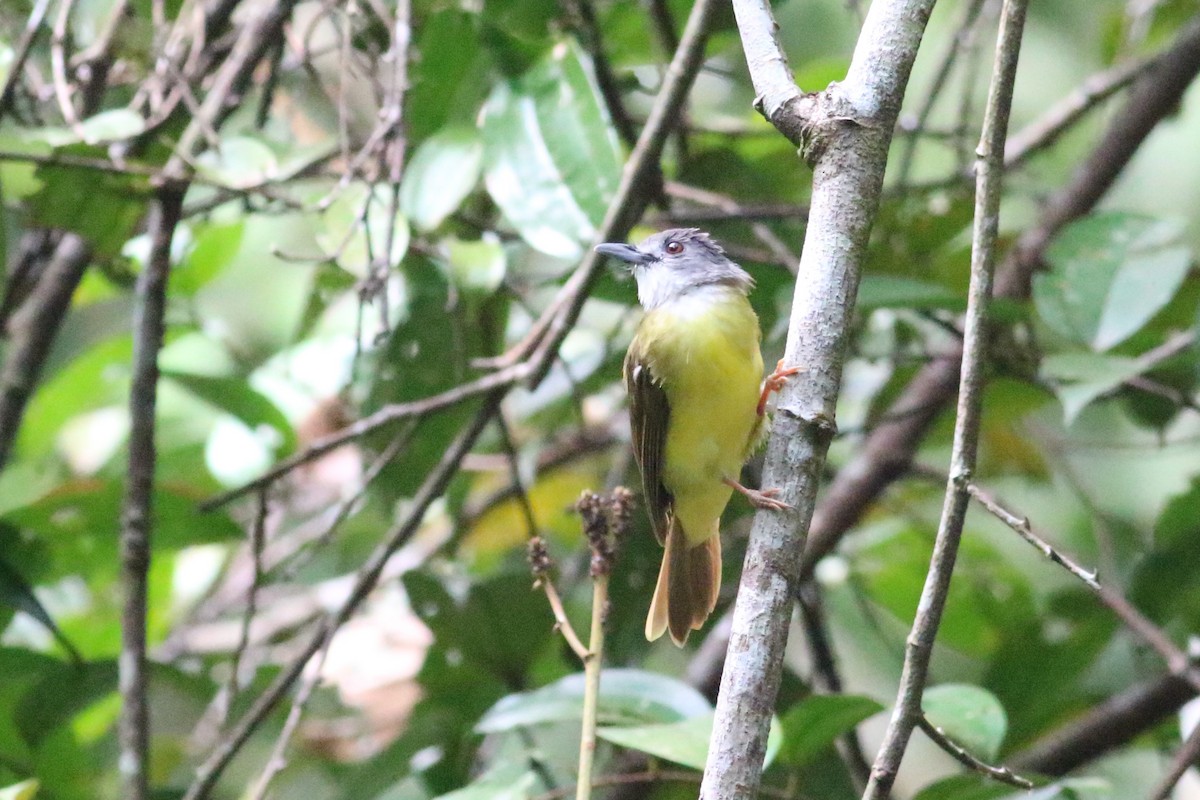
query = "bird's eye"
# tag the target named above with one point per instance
(674, 248)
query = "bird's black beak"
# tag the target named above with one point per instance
(625, 252)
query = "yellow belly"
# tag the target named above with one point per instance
(710, 368)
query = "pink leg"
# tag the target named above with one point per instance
(774, 382)
(759, 499)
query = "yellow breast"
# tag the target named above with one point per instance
(704, 349)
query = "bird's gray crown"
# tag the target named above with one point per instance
(674, 263)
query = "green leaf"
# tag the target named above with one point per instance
(552, 161)
(503, 782)
(1109, 275)
(442, 173)
(16, 593)
(61, 694)
(684, 742)
(102, 207)
(25, 790)
(1069, 789)
(1080, 378)
(476, 268)
(970, 716)
(964, 787)
(214, 248)
(87, 510)
(235, 396)
(627, 696)
(241, 162)
(815, 722)
(112, 126)
(355, 229)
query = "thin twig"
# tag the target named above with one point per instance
(593, 661)
(960, 754)
(844, 133)
(32, 330)
(389, 414)
(888, 452)
(631, 196)
(958, 44)
(1063, 115)
(434, 485)
(17, 68)
(138, 505)
(989, 167)
(1187, 755)
(1176, 659)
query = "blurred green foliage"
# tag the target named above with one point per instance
(307, 291)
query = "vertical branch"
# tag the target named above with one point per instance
(32, 330)
(138, 506)
(846, 131)
(989, 165)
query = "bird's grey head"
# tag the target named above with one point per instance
(671, 264)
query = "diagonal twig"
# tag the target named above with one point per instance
(989, 166)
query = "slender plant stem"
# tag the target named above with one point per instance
(967, 759)
(138, 506)
(989, 167)
(592, 665)
(845, 132)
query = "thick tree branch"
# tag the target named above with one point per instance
(989, 166)
(846, 130)
(890, 448)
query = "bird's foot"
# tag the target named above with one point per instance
(774, 382)
(760, 498)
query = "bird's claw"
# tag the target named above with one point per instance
(774, 382)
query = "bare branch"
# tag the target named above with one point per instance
(962, 756)
(138, 506)
(32, 331)
(889, 449)
(1115, 722)
(989, 166)
(368, 576)
(846, 130)
(17, 68)
(1187, 755)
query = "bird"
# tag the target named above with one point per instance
(697, 403)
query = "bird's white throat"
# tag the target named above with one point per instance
(662, 287)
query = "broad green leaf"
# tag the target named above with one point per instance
(627, 696)
(88, 510)
(552, 161)
(112, 126)
(970, 786)
(970, 716)
(1109, 274)
(442, 173)
(25, 790)
(241, 162)
(815, 722)
(1080, 378)
(504, 782)
(60, 695)
(213, 248)
(1069, 789)
(355, 229)
(16, 593)
(476, 268)
(102, 207)
(684, 742)
(235, 396)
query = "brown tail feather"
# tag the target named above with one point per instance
(688, 582)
